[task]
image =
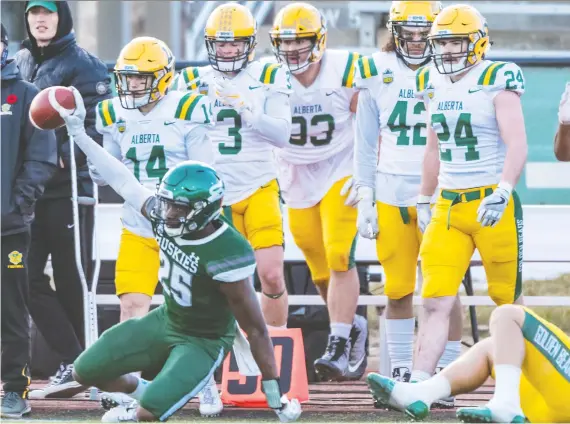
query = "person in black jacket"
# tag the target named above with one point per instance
(52, 57)
(28, 160)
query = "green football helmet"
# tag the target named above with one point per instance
(188, 198)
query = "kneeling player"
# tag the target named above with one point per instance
(528, 357)
(205, 266)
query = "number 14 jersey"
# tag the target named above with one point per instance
(151, 144)
(471, 150)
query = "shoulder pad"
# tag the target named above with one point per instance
(269, 72)
(499, 76)
(189, 78)
(422, 79)
(106, 113)
(349, 70)
(186, 106)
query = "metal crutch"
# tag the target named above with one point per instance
(89, 294)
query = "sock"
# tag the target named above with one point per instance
(400, 339)
(427, 391)
(506, 400)
(139, 391)
(451, 353)
(340, 329)
(419, 376)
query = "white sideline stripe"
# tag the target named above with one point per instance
(548, 175)
(111, 299)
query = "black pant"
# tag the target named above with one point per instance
(58, 314)
(15, 316)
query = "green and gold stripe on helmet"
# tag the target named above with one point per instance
(348, 77)
(367, 67)
(186, 106)
(106, 112)
(191, 78)
(489, 75)
(269, 72)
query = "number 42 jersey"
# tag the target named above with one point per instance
(471, 150)
(175, 130)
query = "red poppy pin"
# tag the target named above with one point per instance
(11, 99)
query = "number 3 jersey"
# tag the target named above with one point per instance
(244, 159)
(320, 150)
(400, 119)
(471, 150)
(175, 130)
(190, 274)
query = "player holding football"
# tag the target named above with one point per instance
(150, 129)
(528, 357)
(205, 267)
(313, 168)
(388, 188)
(476, 145)
(251, 109)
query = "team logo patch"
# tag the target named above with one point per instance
(15, 259)
(121, 125)
(6, 109)
(430, 91)
(101, 88)
(387, 76)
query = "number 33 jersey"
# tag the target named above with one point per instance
(244, 159)
(320, 149)
(471, 150)
(175, 130)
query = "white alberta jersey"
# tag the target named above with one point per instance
(175, 130)
(471, 151)
(243, 159)
(392, 111)
(320, 150)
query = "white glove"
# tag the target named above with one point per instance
(290, 411)
(423, 208)
(492, 207)
(74, 119)
(367, 221)
(564, 109)
(287, 410)
(228, 94)
(350, 189)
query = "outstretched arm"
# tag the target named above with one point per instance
(108, 167)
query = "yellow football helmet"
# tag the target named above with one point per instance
(298, 21)
(230, 23)
(144, 57)
(407, 18)
(461, 22)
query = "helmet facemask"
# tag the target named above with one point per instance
(179, 217)
(412, 50)
(134, 99)
(234, 63)
(286, 56)
(456, 58)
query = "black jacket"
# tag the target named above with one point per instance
(29, 155)
(63, 62)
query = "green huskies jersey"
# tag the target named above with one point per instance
(191, 272)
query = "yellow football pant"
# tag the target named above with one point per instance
(326, 234)
(454, 233)
(258, 218)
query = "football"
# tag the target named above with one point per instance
(42, 113)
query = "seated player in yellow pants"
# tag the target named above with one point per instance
(528, 357)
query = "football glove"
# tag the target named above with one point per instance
(367, 220)
(493, 207)
(74, 120)
(228, 94)
(423, 208)
(350, 189)
(287, 410)
(564, 109)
